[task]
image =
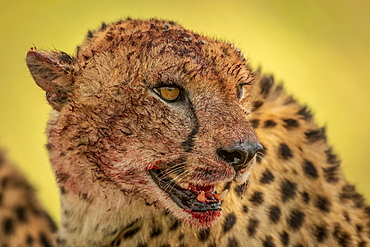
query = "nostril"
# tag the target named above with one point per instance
(233, 157)
(240, 156)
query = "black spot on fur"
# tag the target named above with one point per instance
(359, 229)
(62, 190)
(310, 169)
(44, 240)
(156, 231)
(257, 104)
(229, 222)
(346, 217)
(269, 124)
(142, 245)
(256, 198)
(290, 123)
(30, 240)
(85, 57)
(284, 238)
(306, 197)
(323, 204)
(267, 177)
(240, 189)
(8, 226)
(62, 177)
(204, 234)
(266, 84)
(90, 34)
(245, 209)
(288, 190)
(252, 226)
(232, 242)
(295, 219)
(321, 233)
(274, 214)
(103, 26)
(268, 242)
(254, 123)
(331, 172)
(131, 233)
(343, 238)
(349, 193)
(21, 213)
(109, 37)
(175, 225)
(362, 244)
(65, 58)
(316, 135)
(305, 113)
(284, 152)
(331, 158)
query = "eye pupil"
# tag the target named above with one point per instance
(168, 93)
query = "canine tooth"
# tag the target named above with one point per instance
(201, 197)
(185, 186)
(222, 195)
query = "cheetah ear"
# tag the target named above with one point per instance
(53, 72)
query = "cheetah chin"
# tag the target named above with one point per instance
(201, 203)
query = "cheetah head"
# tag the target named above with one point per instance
(149, 111)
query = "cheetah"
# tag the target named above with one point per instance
(163, 137)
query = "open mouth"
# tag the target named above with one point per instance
(190, 197)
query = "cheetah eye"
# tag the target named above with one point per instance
(168, 93)
(240, 89)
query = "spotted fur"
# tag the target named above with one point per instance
(23, 222)
(109, 129)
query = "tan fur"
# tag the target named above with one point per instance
(109, 128)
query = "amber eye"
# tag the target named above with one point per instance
(170, 94)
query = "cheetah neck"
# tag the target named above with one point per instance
(94, 223)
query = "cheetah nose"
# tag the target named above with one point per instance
(238, 156)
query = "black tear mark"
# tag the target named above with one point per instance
(189, 143)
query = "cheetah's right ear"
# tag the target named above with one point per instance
(53, 72)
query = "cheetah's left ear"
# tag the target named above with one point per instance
(53, 72)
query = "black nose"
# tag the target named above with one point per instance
(238, 156)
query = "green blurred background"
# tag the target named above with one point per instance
(319, 48)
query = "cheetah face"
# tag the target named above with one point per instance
(153, 111)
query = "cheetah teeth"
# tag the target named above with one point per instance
(185, 186)
(222, 195)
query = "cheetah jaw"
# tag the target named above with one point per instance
(191, 198)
